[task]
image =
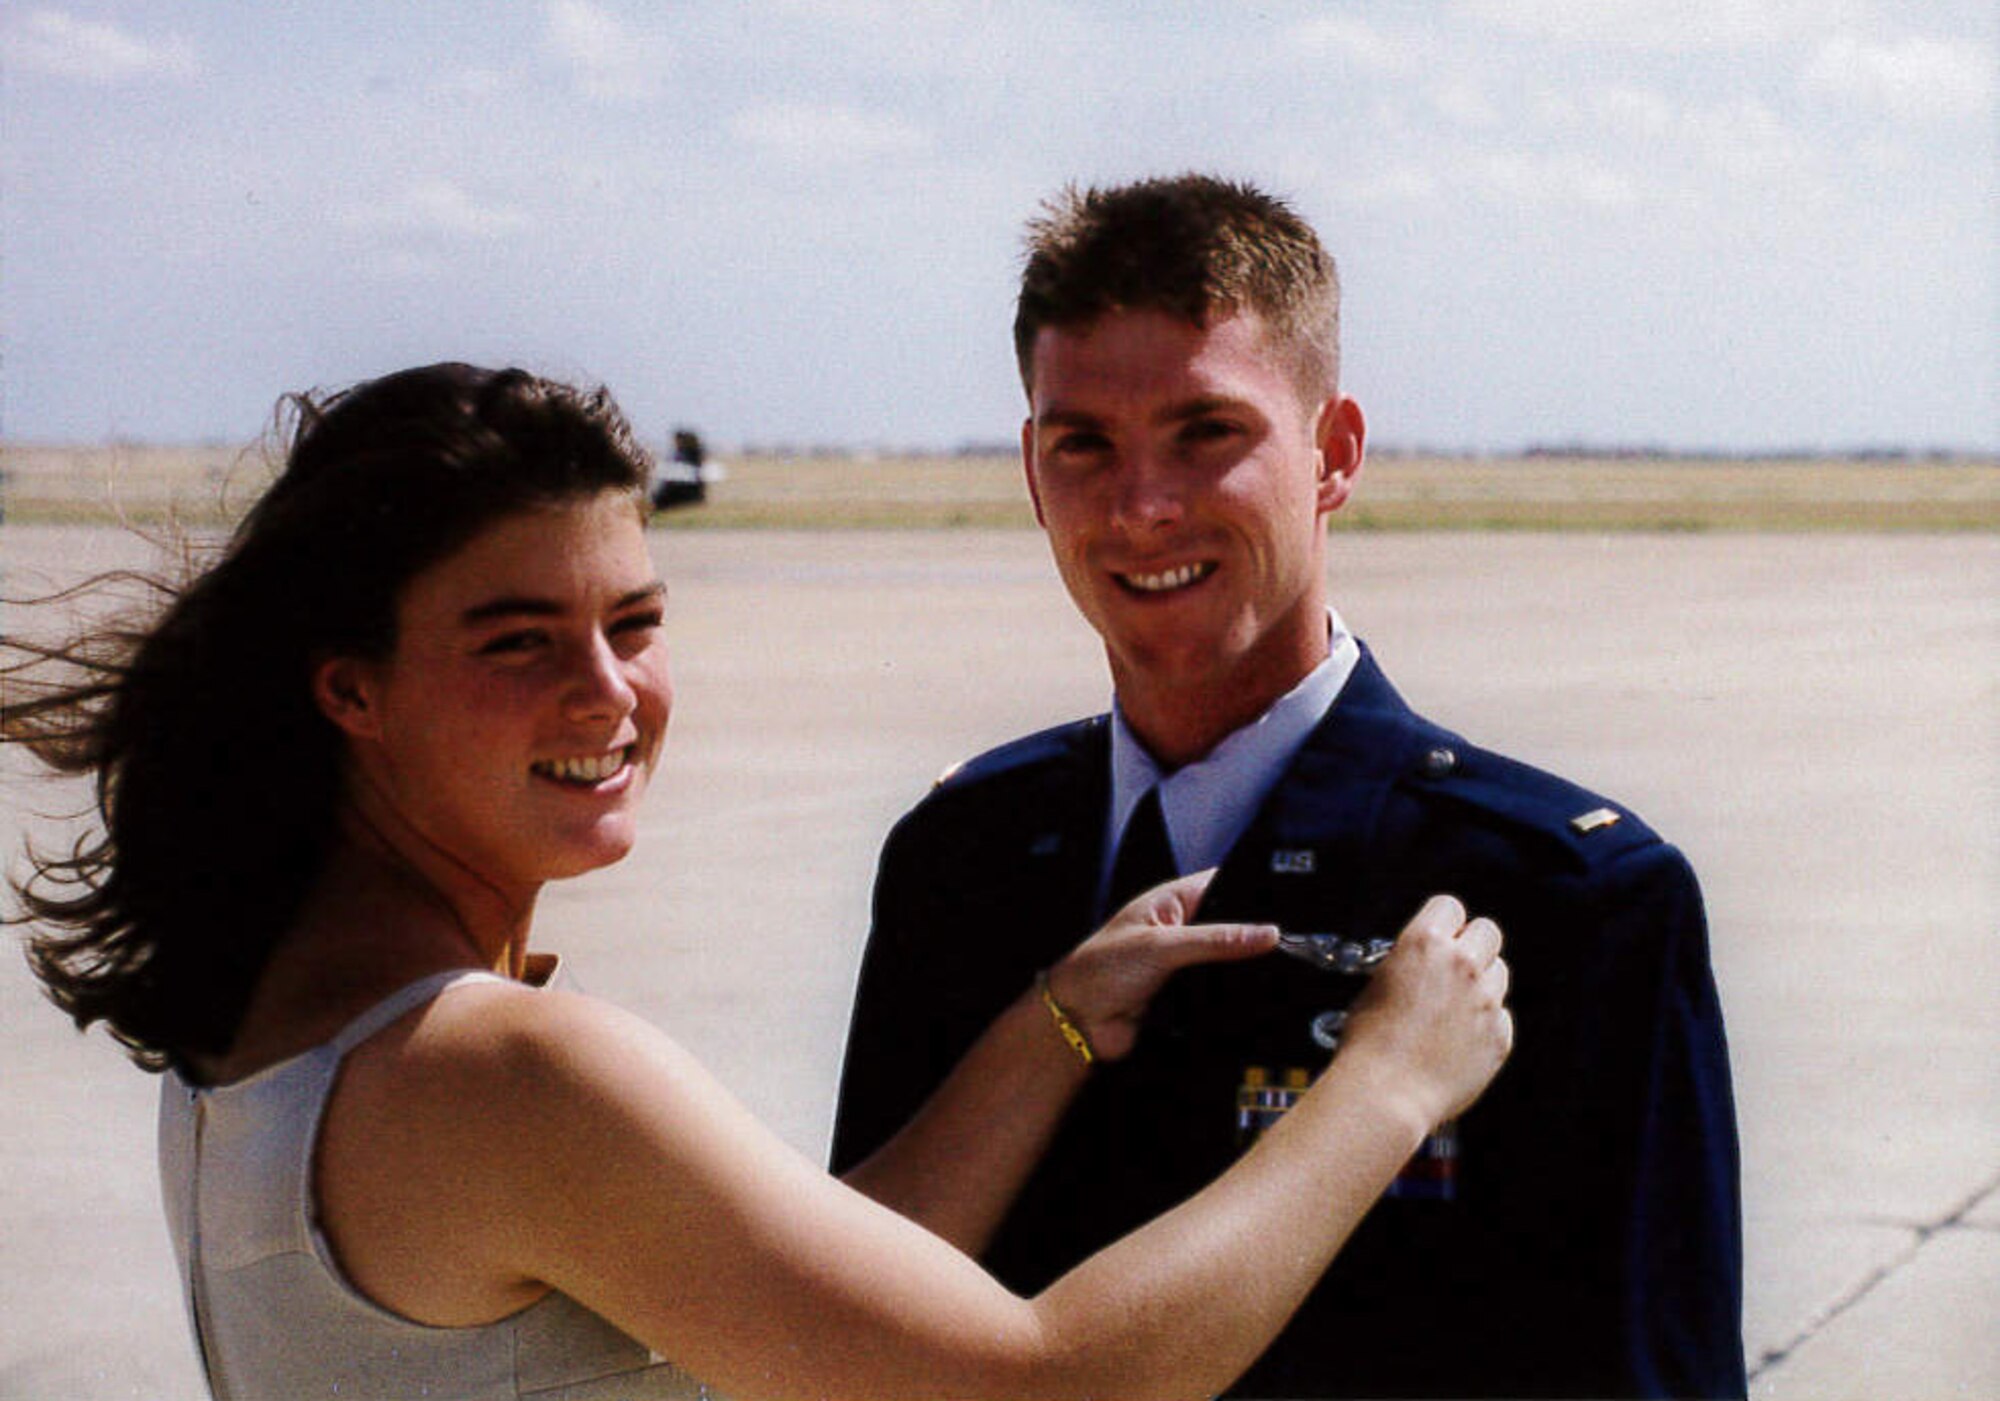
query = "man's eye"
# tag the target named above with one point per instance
(1208, 430)
(1080, 443)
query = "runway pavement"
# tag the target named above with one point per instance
(1813, 718)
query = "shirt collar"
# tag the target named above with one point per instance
(1210, 802)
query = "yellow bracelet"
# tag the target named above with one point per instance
(1071, 1032)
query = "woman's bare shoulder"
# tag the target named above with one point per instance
(490, 1093)
(509, 1051)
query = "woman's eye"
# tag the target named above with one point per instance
(643, 624)
(512, 644)
(633, 632)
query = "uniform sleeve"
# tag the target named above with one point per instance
(1681, 1269)
(907, 1029)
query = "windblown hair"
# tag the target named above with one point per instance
(1192, 246)
(216, 776)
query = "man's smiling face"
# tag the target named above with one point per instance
(1183, 482)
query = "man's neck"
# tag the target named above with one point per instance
(1181, 719)
(1184, 730)
(1208, 803)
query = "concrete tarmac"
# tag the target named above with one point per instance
(1812, 718)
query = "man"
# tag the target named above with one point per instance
(1578, 1232)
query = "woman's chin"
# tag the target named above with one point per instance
(606, 845)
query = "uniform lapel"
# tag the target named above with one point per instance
(1306, 864)
(1307, 853)
(1060, 839)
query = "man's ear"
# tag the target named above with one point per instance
(1028, 468)
(1341, 435)
(341, 690)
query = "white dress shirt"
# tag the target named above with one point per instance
(1209, 802)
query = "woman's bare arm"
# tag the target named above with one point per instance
(958, 1165)
(560, 1141)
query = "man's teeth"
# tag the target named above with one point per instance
(1169, 579)
(589, 768)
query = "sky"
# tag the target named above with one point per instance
(1703, 225)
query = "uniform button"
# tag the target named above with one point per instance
(1439, 763)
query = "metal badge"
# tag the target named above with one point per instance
(1332, 954)
(1326, 1029)
(1432, 1175)
(1594, 820)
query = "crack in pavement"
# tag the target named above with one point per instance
(1920, 1234)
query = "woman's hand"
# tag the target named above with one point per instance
(957, 1166)
(1435, 1009)
(1106, 983)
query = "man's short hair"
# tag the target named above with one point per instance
(1193, 246)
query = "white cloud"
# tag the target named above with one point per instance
(1351, 39)
(1680, 27)
(1631, 109)
(831, 133)
(50, 41)
(1744, 141)
(438, 207)
(1385, 188)
(863, 12)
(1464, 103)
(1553, 180)
(611, 61)
(1908, 78)
(1749, 143)
(400, 265)
(471, 82)
(1600, 111)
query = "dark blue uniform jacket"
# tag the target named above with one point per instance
(1591, 1244)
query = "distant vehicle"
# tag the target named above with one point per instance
(682, 480)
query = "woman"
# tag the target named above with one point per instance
(426, 678)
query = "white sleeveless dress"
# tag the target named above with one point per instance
(274, 1318)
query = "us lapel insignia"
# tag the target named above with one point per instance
(1292, 861)
(1595, 820)
(1047, 844)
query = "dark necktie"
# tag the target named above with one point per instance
(1145, 857)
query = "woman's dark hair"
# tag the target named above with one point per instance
(216, 775)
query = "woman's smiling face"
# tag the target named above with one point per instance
(515, 725)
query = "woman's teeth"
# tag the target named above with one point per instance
(1169, 578)
(589, 768)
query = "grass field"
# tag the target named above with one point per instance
(146, 484)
